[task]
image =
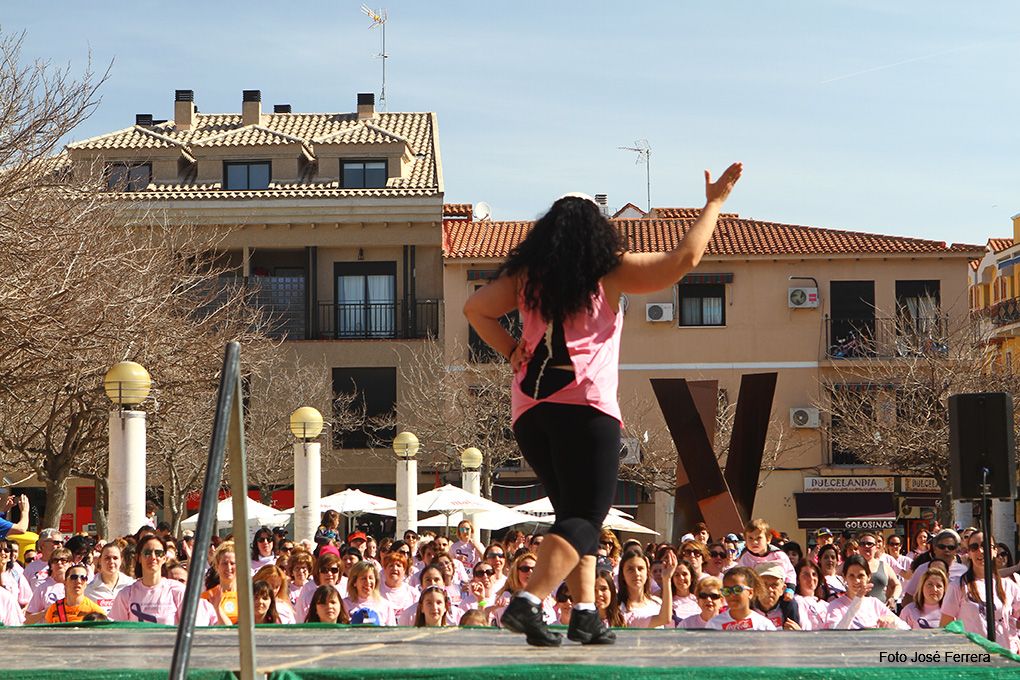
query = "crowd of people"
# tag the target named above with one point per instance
(755, 581)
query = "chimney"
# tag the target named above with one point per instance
(143, 119)
(603, 202)
(366, 105)
(251, 107)
(184, 109)
(281, 108)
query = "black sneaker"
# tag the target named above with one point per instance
(587, 628)
(521, 616)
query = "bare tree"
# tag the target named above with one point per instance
(892, 409)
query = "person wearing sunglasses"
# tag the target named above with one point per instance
(893, 556)
(35, 571)
(695, 552)
(965, 599)
(326, 573)
(520, 575)
(496, 558)
(480, 591)
(884, 583)
(151, 598)
(263, 549)
(51, 589)
(708, 595)
(718, 560)
(75, 604)
(741, 586)
(944, 546)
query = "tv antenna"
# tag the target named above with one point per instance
(378, 18)
(644, 153)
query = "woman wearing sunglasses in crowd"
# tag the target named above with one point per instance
(12, 579)
(51, 589)
(965, 599)
(810, 596)
(696, 553)
(884, 583)
(639, 607)
(434, 608)
(685, 602)
(480, 591)
(718, 560)
(466, 548)
(75, 604)
(326, 573)
(710, 600)
(520, 575)
(926, 610)
(856, 609)
(109, 579)
(741, 587)
(326, 606)
(262, 549)
(151, 598)
(496, 557)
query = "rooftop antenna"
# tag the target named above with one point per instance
(644, 153)
(379, 19)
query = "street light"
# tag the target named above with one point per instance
(127, 384)
(471, 479)
(406, 446)
(306, 425)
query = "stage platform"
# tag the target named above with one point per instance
(320, 652)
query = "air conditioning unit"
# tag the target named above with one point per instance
(802, 298)
(630, 451)
(659, 311)
(805, 417)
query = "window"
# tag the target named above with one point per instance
(375, 390)
(702, 304)
(366, 296)
(128, 176)
(246, 176)
(364, 174)
(918, 314)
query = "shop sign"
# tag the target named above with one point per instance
(843, 484)
(921, 485)
(871, 523)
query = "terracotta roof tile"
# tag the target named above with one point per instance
(225, 130)
(681, 213)
(458, 210)
(997, 245)
(733, 236)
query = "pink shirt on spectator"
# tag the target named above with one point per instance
(958, 604)
(46, 593)
(160, 603)
(10, 611)
(749, 559)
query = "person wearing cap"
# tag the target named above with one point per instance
(783, 612)
(109, 580)
(566, 278)
(733, 546)
(944, 546)
(187, 545)
(49, 540)
(822, 537)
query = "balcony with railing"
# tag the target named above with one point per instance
(378, 320)
(885, 338)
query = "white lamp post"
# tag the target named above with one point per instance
(406, 445)
(127, 384)
(306, 425)
(471, 479)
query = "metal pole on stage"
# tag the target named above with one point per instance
(239, 491)
(990, 569)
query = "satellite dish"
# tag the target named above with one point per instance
(483, 211)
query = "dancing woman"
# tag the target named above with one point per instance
(566, 279)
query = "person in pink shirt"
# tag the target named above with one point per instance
(433, 608)
(685, 603)
(35, 571)
(757, 549)
(855, 609)
(467, 550)
(639, 607)
(13, 580)
(206, 614)
(363, 602)
(965, 599)
(810, 596)
(51, 588)
(11, 613)
(566, 279)
(327, 573)
(299, 568)
(394, 586)
(151, 598)
(709, 595)
(741, 586)
(718, 560)
(925, 611)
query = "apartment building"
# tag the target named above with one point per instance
(808, 303)
(335, 219)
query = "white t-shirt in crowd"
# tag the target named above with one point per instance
(641, 616)
(102, 594)
(378, 612)
(813, 612)
(304, 599)
(13, 581)
(693, 623)
(922, 620)
(859, 613)
(684, 607)
(754, 621)
(748, 559)
(260, 562)
(36, 572)
(404, 596)
(958, 604)
(10, 611)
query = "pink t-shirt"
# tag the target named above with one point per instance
(160, 603)
(13, 581)
(869, 610)
(641, 616)
(754, 621)
(958, 604)
(466, 553)
(693, 623)
(10, 611)
(404, 596)
(813, 612)
(917, 619)
(749, 559)
(304, 599)
(46, 593)
(36, 572)
(684, 607)
(378, 612)
(593, 344)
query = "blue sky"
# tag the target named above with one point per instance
(896, 118)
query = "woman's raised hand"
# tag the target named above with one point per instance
(669, 564)
(721, 188)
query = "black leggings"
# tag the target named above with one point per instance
(575, 451)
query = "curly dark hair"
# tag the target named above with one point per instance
(563, 257)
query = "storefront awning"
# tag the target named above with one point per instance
(845, 511)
